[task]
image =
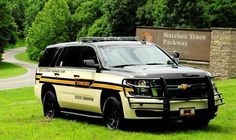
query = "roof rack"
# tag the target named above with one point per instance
(100, 39)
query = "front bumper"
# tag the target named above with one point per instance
(140, 107)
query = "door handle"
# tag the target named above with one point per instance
(76, 76)
(56, 74)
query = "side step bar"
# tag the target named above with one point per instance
(81, 114)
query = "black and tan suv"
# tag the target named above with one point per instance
(120, 78)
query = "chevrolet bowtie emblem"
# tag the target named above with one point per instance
(184, 86)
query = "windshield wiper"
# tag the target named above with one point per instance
(121, 66)
(154, 64)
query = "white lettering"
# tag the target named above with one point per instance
(174, 42)
(197, 37)
(175, 35)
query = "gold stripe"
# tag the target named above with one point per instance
(38, 76)
(107, 86)
(97, 85)
(57, 81)
(129, 90)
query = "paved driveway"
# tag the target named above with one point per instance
(19, 81)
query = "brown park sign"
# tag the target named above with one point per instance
(191, 44)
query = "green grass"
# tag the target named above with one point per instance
(24, 57)
(19, 43)
(8, 70)
(21, 117)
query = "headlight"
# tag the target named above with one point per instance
(143, 87)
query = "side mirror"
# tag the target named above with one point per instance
(90, 63)
(176, 56)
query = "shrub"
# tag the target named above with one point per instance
(49, 27)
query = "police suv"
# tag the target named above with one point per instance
(120, 78)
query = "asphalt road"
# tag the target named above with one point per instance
(22, 80)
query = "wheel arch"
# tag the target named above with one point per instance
(107, 93)
(47, 87)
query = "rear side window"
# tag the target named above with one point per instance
(47, 58)
(56, 57)
(70, 57)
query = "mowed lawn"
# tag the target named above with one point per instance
(8, 70)
(21, 117)
(24, 57)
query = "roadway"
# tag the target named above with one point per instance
(22, 80)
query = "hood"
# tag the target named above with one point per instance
(157, 71)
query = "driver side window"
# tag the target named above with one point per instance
(88, 53)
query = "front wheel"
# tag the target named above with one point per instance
(112, 113)
(51, 107)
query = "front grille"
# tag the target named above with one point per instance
(196, 88)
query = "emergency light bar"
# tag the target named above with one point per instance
(100, 39)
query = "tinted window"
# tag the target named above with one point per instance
(56, 57)
(47, 58)
(75, 56)
(61, 57)
(70, 57)
(88, 53)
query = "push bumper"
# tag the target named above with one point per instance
(143, 107)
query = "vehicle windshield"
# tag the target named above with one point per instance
(131, 55)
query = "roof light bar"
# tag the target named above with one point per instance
(100, 39)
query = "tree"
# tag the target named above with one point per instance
(145, 14)
(181, 13)
(8, 26)
(50, 27)
(34, 6)
(122, 16)
(101, 27)
(74, 4)
(222, 13)
(86, 14)
(18, 12)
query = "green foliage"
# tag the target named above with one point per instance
(84, 17)
(34, 6)
(18, 12)
(101, 27)
(19, 43)
(7, 26)
(1, 51)
(181, 13)
(122, 16)
(145, 14)
(50, 27)
(223, 13)
(74, 4)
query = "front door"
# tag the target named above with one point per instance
(76, 93)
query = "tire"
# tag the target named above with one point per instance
(196, 122)
(51, 108)
(112, 113)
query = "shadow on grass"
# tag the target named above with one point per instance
(150, 126)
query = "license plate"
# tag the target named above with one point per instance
(187, 112)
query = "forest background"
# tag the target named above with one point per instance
(44, 22)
